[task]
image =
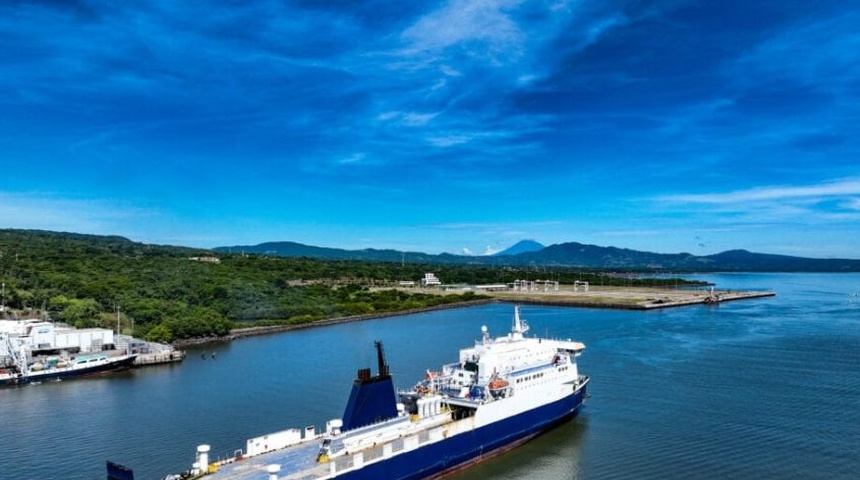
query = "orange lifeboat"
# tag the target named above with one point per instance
(498, 384)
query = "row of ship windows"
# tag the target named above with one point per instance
(538, 375)
(530, 377)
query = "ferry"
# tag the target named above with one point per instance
(500, 393)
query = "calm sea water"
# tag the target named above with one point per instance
(765, 389)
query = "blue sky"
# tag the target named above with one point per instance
(458, 126)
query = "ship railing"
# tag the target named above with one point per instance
(379, 452)
(226, 458)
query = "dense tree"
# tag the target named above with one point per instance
(159, 333)
(82, 313)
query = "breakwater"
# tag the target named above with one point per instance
(629, 298)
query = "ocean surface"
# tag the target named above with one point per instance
(752, 389)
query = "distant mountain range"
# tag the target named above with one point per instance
(572, 254)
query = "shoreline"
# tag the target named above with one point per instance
(239, 333)
(619, 298)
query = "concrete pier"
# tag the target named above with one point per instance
(629, 298)
(159, 358)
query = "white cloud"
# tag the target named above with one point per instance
(410, 119)
(463, 21)
(385, 116)
(352, 159)
(852, 204)
(418, 119)
(449, 140)
(826, 190)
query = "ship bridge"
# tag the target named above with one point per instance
(494, 357)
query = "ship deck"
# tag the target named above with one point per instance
(297, 462)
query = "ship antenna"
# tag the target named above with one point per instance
(520, 326)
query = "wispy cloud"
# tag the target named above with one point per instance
(820, 192)
(852, 204)
(826, 207)
(819, 53)
(481, 28)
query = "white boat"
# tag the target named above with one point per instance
(60, 369)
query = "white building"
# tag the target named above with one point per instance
(430, 280)
(41, 336)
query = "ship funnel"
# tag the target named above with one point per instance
(372, 398)
(380, 358)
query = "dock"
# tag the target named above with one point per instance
(149, 353)
(157, 358)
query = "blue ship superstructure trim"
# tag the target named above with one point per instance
(438, 458)
(372, 398)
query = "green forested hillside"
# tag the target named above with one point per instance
(163, 293)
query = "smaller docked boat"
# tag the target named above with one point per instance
(59, 369)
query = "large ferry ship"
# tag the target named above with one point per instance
(500, 393)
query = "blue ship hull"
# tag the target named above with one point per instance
(437, 459)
